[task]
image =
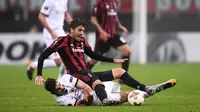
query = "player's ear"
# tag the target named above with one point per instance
(71, 30)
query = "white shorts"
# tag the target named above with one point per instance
(113, 92)
(48, 39)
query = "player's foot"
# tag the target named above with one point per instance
(120, 81)
(107, 102)
(151, 90)
(29, 70)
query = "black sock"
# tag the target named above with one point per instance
(125, 65)
(100, 91)
(130, 81)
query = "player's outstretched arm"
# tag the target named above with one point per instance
(68, 17)
(39, 80)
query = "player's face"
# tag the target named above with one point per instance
(78, 32)
(60, 89)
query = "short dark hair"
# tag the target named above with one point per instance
(75, 23)
(50, 85)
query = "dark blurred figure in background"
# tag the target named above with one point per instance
(15, 12)
(105, 18)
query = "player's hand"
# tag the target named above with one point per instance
(53, 35)
(104, 36)
(124, 31)
(39, 80)
(87, 93)
(81, 103)
(120, 60)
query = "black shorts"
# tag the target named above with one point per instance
(90, 77)
(103, 47)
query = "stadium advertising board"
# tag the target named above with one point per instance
(17, 48)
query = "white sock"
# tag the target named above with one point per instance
(62, 71)
(47, 63)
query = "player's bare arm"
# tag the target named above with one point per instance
(103, 35)
(68, 17)
(87, 99)
(121, 27)
(42, 19)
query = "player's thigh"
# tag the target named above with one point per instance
(48, 41)
(105, 75)
(113, 90)
(60, 32)
(120, 43)
(125, 49)
(86, 76)
(101, 46)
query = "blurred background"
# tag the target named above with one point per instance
(159, 30)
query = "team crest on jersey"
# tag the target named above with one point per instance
(107, 6)
(72, 90)
(46, 7)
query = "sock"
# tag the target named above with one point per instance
(130, 81)
(62, 71)
(47, 63)
(100, 91)
(125, 65)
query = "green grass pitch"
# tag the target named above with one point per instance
(18, 94)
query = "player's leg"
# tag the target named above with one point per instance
(115, 94)
(162, 86)
(47, 63)
(62, 71)
(90, 78)
(119, 73)
(119, 43)
(126, 52)
(54, 60)
(100, 47)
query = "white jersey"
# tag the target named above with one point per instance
(74, 94)
(55, 12)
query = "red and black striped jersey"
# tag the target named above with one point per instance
(106, 13)
(72, 54)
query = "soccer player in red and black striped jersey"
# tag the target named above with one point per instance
(105, 18)
(71, 49)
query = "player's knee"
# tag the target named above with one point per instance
(95, 83)
(127, 53)
(58, 62)
(118, 72)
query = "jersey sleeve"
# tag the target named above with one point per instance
(69, 80)
(57, 43)
(66, 100)
(47, 7)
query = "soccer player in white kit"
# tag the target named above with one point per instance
(70, 91)
(52, 16)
